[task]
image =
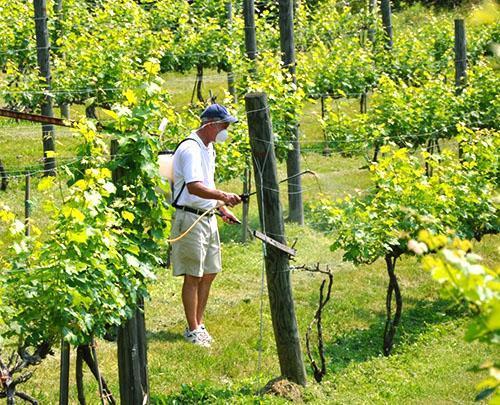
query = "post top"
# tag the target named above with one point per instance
(256, 94)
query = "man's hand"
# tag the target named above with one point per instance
(228, 217)
(230, 199)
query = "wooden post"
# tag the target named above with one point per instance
(3, 177)
(43, 56)
(63, 107)
(132, 349)
(460, 56)
(326, 149)
(230, 74)
(250, 36)
(372, 5)
(385, 6)
(295, 205)
(363, 102)
(27, 204)
(246, 205)
(64, 376)
(57, 6)
(460, 64)
(277, 262)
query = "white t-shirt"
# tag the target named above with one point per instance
(193, 161)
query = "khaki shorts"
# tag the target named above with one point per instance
(198, 252)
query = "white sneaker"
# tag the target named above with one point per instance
(205, 335)
(196, 337)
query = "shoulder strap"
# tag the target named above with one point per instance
(183, 184)
(184, 140)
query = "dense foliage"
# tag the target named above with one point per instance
(102, 244)
(411, 115)
(97, 51)
(464, 278)
(458, 197)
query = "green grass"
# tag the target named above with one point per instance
(431, 362)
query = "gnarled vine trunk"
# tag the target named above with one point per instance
(17, 363)
(392, 322)
(85, 353)
(197, 84)
(3, 175)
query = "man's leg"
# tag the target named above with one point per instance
(190, 294)
(203, 291)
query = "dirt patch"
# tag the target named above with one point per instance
(283, 388)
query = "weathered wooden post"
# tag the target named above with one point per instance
(64, 374)
(460, 56)
(3, 177)
(43, 57)
(58, 13)
(287, 42)
(230, 74)
(250, 36)
(247, 181)
(460, 63)
(132, 347)
(326, 149)
(385, 6)
(372, 6)
(271, 218)
(363, 101)
(27, 203)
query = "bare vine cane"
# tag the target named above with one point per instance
(319, 372)
(393, 289)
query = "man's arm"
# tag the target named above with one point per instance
(198, 189)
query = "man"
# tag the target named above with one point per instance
(197, 256)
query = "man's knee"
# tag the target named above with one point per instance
(192, 281)
(208, 278)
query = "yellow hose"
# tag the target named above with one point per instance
(178, 238)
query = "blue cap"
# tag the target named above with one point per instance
(217, 112)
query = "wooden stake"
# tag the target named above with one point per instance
(3, 178)
(27, 204)
(276, 261)
(287, 42)
(58, 13)
(132, 358)
(250, 36)
(372, 10)
(385, 6)
(460, 56)
(64, 374)
(460, 64)
(43, 56)
(230, 75)
(246, 205)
